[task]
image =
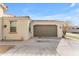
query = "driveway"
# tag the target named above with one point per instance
(68, 47)
(35, 46)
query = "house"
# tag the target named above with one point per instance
(23, 27)
(74, 29)
(14, 28)
(46, 28)
(3, 8)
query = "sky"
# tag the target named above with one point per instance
(46, 11)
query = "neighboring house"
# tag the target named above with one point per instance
(74, 29)
(3, 8)
(23, 28)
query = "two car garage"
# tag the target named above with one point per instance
(46, 28)
(45, 31)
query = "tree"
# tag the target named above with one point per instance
(65, 28)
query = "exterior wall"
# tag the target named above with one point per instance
(23, 24)
(1, 14)
(22, 28)
(59, 26)
(0, 28)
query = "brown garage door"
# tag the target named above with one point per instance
(45, 31)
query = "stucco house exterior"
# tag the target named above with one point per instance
(23, 27)
(14, 28)
(46, 28)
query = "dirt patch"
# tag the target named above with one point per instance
(5, 48)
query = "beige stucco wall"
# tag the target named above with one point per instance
(22, 28)
(23, 24)
(59, 26)
(1, 13)
(0, 28)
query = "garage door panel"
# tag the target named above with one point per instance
(45, 30)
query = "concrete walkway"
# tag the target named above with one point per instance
(35, 46)
(68, 47)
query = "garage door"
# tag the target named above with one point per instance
(45, 31)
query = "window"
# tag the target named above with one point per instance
(12, 26)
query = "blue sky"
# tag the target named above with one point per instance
(48, 11)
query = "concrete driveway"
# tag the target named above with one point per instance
(68, 47)
(35, 46)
